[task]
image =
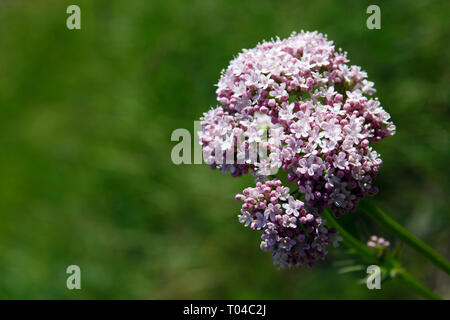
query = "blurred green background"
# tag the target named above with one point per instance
(85, 123)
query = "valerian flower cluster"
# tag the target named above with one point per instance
(296, 105)
(295, 234)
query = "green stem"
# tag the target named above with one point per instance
(369, 256)
(396, 229)
(350, 241)
(413, 283)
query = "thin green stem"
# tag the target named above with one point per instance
(369, 256)
(350, 241)
(413, 283)
(397, 230)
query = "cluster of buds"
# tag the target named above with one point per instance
(378, 242)
(296, 105)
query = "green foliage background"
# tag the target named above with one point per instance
(85, 124)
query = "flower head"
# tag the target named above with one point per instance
(296, 104)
